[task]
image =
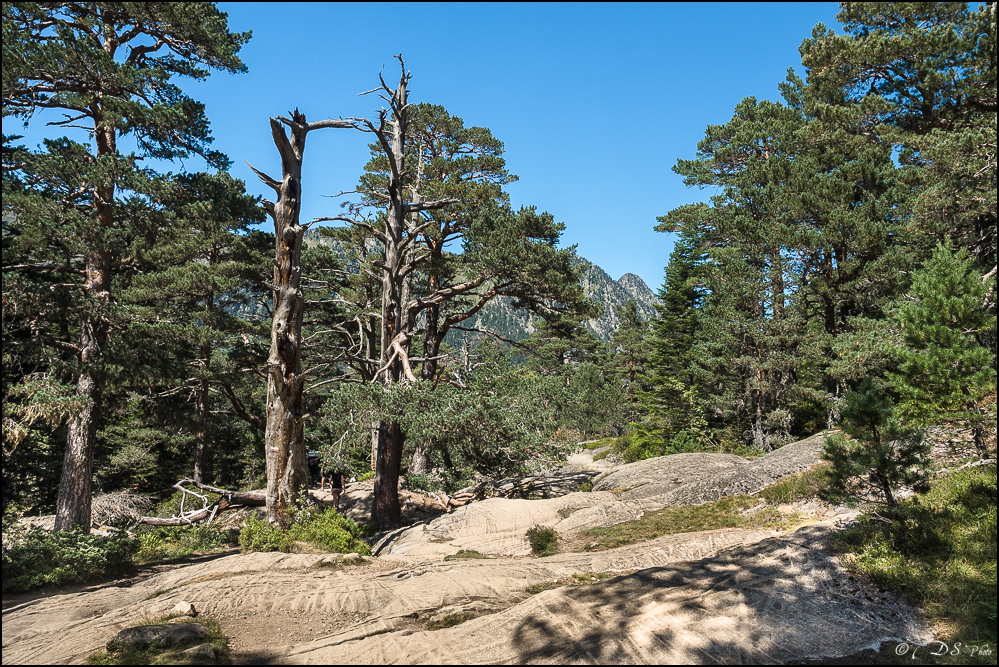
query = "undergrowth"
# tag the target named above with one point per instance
(938, 551)
(171, 542)
(325, 529)
(37, 558)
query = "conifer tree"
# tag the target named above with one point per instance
(880, 450)
(110, 67)
(946, 369)
(920, 76)
(200, 274)
(631, 340)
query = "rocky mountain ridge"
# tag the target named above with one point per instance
(500, 317)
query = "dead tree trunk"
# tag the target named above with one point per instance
(287, 473)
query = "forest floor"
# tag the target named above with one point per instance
(770, 591)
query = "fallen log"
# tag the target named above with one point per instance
(209, 511)
(252, 498)
(194, 517)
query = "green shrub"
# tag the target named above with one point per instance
(327, 530)
(35, 558)
(640, 446)
(601, 455)
(366, 476)
(423, 482)
(543, 540)
(168, 542)
(586, 486)
(259, 535)
(332, 531)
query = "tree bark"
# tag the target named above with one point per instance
(287, 472)
(419, 464)
(386, 506)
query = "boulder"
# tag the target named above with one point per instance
(161, 636)
(184, 608)
(653, 477)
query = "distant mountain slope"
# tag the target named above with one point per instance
(500, 317)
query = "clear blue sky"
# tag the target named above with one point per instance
(594, 102)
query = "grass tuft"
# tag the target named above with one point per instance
(543, 540)
(801, 486)
(465, 553)
(450, 620)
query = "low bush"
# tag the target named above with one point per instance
(543, 540)
(36, 558)
(366, 476)
(327, 530)
(586, 486)
(423, 482)
(169, 542)
(639, 446)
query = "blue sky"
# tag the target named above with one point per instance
(594, 102)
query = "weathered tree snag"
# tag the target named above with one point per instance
(283, 437)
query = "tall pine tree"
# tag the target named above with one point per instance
(108, 68)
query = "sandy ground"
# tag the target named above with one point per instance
(717, 596)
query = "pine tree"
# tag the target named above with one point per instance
(922, 77)
(108, 65)
(200, 273)
(946, 370)
(880, 449)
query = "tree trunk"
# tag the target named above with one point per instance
(287, 472)
(201, 446)
(387, 512)
(73, 502)
(419, 463)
